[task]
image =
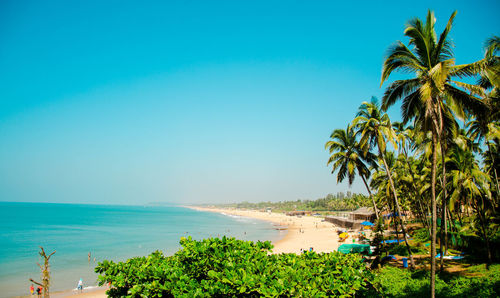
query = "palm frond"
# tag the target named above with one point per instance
(398, 89)
(443, 50)
(468, 70)
(492, 46)
(400, 58)
(473, 89)
(415, 31)
(469, 103)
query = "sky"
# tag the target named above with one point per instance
(185, 102)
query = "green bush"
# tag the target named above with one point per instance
(421, 235)
(401, 250)
(395, 282)
(230, 267)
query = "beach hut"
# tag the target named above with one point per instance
(343, 222)
(363, 214)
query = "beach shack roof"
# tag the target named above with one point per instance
(363, 213)
(364, 210)
(344, 222)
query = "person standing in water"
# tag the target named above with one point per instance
(80, 285)
(32, 290)
(89, 256)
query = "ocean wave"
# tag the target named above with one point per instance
(87, 288)
(231, 215)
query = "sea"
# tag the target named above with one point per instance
(107, 232)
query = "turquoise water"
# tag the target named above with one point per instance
(107, 232)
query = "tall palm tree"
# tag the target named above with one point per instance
(431, 94)
(380, 182)
(347, 158)
(374, 126)
(489, 71)
(406, 137)
(470, 183)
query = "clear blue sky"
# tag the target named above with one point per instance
(194, 101)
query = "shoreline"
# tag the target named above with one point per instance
(302, 233)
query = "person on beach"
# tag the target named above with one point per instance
(39, 291)
(32, 290)
(80, 285)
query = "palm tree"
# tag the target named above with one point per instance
(347, 158)
(380, 182)
(405, 137)
(431, 94)
(374, 126)
(489, 70)
(470, 183)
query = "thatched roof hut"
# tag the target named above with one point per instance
(344, 222)
(363, 213)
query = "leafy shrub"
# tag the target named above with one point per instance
(421, 235)
(401, 250)
(230, 267)
(395, 282)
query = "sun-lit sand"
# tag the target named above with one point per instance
(302, 233)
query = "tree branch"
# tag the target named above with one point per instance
(35, 282)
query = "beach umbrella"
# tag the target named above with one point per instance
(367, 223)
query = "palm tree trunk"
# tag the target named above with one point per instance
(422, 216)
(452, 232)
(397, 207)
(371, 196)
(482, 214)
(395, 222)
(444, 232)
(433, 214)
(493, 166)
(446, 220)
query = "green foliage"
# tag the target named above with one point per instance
(337, 202)
(230, 267)
(378, 237)
(401, 250)
(395, 282)
(421, 235)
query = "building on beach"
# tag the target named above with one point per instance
(364, 214)
(353, 222)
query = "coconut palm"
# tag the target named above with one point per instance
(374, 126)
(347, 158)
(470, 184)
(431, 94)
(380, 182)
(406, 137)
(489, 71)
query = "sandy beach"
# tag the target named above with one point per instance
(302, 233)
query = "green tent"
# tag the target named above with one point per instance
(355, 248)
